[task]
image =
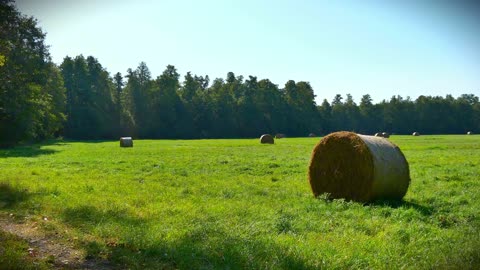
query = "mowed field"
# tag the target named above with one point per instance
(236, 204)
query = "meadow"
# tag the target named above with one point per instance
(237, 204)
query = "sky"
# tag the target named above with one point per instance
(377, 47)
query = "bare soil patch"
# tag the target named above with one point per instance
(51, 246)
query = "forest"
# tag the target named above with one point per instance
(80, 99)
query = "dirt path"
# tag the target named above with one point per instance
(50, 247)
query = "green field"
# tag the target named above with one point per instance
(236, 204)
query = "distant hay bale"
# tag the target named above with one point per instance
(312, 135)
(358, 167)
(416, 134)
(126, 142)
(382, 134)
(469, 133)
(280, 136)
(266, 138)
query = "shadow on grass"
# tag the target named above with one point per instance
(90, 141)
(10, 196)
(32, 150)
(424, 210)
(204, 245)
(88, 216)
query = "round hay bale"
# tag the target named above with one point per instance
(126, 142)
(416, 134)
(358, 167)
(378, 134)
(280, 136)
(385, 135)
(266, 138)
(312, 135)
(469, 133)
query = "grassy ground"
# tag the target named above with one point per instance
(235, 204)
(13, 254)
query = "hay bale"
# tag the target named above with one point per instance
(382, 134)
(266, 138)
(469, 133)
(280, 136)
(358, 167)
(126, 142)
(312, 135)
(416, 134)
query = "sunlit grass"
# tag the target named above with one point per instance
(238, 204)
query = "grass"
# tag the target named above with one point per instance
(236, 204)
(13, 254)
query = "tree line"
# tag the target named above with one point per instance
(80, 99)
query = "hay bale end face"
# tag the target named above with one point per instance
(416, 134)
(358, 167)
(126, 142)
(469, 133)
(280, 136)
(378, 134)
(266, 138)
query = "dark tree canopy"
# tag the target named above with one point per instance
(32, 95)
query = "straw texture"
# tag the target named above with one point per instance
(358, 167)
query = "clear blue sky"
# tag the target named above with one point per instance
(383, 48)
